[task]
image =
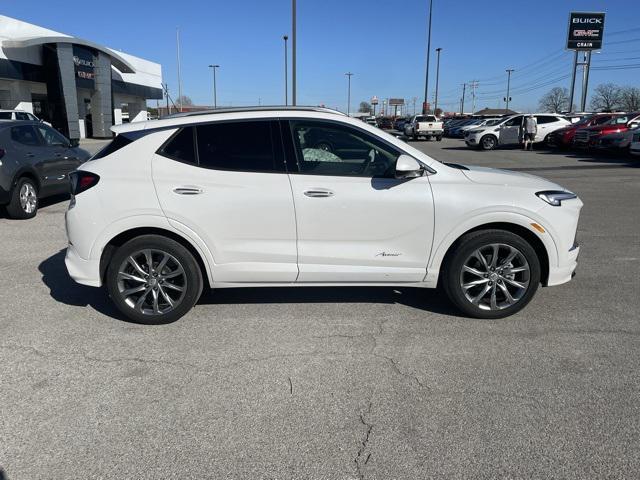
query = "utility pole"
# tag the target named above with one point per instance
(349, 75)
(179, 72)
(426, 81)
(286, 75)
(473, 85)
(293, 53)
(509, 70)
(464, 88)
(166, 93)
(435, 106)
(215, 97)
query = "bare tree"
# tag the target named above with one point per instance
(555, 100)
(364, 107)
(183, 100)
(630, 99)
(606, 97)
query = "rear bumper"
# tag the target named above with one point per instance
(429, 132)
(565, 271)
(85, 272)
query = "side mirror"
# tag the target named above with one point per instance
(74, 142)
(408, 167)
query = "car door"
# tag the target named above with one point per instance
(31, 154)
(356, 222)
(510, 131)
(62, 159)
(232, 191)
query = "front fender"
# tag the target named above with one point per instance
(477, 219)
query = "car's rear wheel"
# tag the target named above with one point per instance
(24, 199)
(488, 142)
(491, 274)
(153, 280)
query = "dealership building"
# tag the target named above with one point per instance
(80, 87)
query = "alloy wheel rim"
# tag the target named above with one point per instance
(152, 282)
(495, 276)
(488, 142)
(28, 198)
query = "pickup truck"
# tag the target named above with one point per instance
(427, 126)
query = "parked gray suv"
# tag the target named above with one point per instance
(35, 161)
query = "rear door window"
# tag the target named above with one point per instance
(245, 146)
(25, 135)
(542, 119)
(5, 115)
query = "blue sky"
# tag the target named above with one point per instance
(383, 42)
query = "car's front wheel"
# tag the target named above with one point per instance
(488, 142)
(491, 274)
(153, 279)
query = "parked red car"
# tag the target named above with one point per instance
(564, 136)
(588, 137)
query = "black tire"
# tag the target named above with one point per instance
(488, 142)
(439, 138)
(453, 274)
(191, 282)
(16, 209)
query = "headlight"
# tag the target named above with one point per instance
(555, 197)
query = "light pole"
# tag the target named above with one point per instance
(426, 81)
(215, 98)
(435, 107)
(293, 52)
(286, 75)
(349, 75)
(509, 70)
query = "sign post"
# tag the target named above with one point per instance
(374, 102)
(586, 32)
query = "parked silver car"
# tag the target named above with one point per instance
(35, 161)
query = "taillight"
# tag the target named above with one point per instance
(81, 181)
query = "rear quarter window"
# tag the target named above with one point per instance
(180, 146)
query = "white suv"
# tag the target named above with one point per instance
(507, 131)
(307, 197)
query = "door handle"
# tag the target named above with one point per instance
(319, 193)
(188, 190)
(61, 177)
(30, 155)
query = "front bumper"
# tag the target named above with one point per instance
(85, 272)
(565, 271)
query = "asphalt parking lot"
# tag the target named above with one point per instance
(332, 383)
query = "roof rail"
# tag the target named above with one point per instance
(261, 108)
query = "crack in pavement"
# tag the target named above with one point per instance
(358, 460)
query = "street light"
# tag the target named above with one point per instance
(509, 70)
(349, 75)
(215, 98)
(437, 79)
(426, 81)
(286, 75)
(294, 85)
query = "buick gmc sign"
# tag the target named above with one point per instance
(585, 31)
